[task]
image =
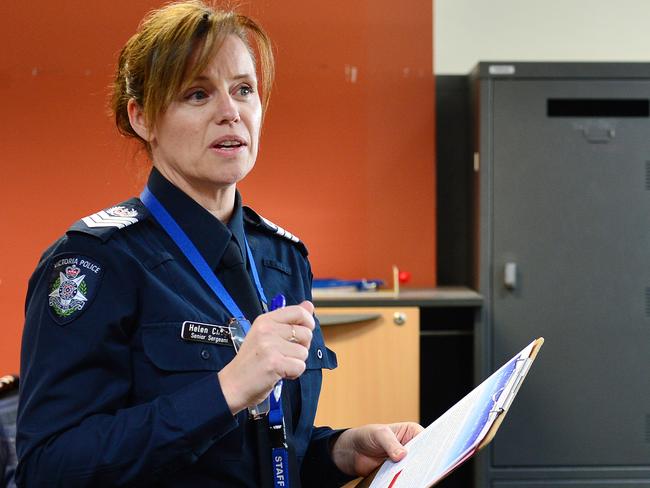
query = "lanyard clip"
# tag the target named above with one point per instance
(277, 435)
(238, 329)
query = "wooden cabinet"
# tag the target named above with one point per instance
(377, 379)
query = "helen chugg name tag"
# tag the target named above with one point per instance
(207, 333)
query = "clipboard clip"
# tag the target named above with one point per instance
(496, 409)
(497, 394)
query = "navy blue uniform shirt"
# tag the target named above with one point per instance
(112, 395)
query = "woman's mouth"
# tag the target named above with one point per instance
(229, 145)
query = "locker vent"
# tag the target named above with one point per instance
(647, 175)
(647, 428)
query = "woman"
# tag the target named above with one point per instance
(129, 369)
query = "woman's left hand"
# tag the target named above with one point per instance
(359, 451)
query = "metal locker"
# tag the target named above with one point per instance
(563, 251)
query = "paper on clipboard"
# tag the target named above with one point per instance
(460, 432)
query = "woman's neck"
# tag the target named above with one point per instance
(219, 201)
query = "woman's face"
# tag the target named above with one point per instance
(208, 136)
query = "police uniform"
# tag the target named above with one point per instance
(122, 344)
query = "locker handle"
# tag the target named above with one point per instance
(510, 276)
(599, 134)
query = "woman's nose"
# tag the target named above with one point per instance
(226, 111)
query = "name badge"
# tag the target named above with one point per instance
(207, 333)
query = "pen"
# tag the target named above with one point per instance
(278, 302)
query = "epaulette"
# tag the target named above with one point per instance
(265, 224)
(104, 223)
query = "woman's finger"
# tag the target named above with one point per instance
(293, 368)
(405, 431)
(292, 350)
(295, 315)
(297, 334)
(307, 305)
(385, 438)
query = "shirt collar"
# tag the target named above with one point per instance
(236, 226)
(209, 234)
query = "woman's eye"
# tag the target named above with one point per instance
(245, 90)
(197, 95)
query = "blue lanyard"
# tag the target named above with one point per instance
(279, 448)
(190, 251)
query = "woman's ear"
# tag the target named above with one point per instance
(137, 119)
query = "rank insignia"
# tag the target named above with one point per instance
(119, 216)
(122, 211)
(73, 283)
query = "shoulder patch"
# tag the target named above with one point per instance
(103, 223)
(73, 283)
(267, 225)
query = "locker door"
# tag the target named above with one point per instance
(571, 212)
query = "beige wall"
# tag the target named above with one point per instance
(468, 31)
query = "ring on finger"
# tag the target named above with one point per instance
(293, 337)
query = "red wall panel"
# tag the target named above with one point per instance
(347, 154)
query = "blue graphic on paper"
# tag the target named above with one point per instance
(479, 415)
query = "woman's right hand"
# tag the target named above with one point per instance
(276, 347)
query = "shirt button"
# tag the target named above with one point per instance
(319, 353)
(205, 354)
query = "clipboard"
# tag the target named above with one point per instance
(459, 433)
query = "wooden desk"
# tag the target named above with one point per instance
(378, 379)
(376, 336)
(391, 373)
(451, 296)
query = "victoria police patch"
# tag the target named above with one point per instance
(73, 283)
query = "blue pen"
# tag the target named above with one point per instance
(278, 302)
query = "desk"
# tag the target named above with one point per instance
(389, 372)
(377, 380)
(448, 296)
(437, 336)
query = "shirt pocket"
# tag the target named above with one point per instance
(171, 363)
(277, 265)
(168, 351)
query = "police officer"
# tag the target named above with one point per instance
(131, 372)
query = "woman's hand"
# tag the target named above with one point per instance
(276, 347)
(359, 451)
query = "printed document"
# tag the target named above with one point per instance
(461, 431)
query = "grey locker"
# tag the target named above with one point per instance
(563, 200)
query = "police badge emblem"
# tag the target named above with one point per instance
(73, 283)
(122, 211)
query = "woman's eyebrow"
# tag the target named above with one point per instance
(241, 76)
(244, 75)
